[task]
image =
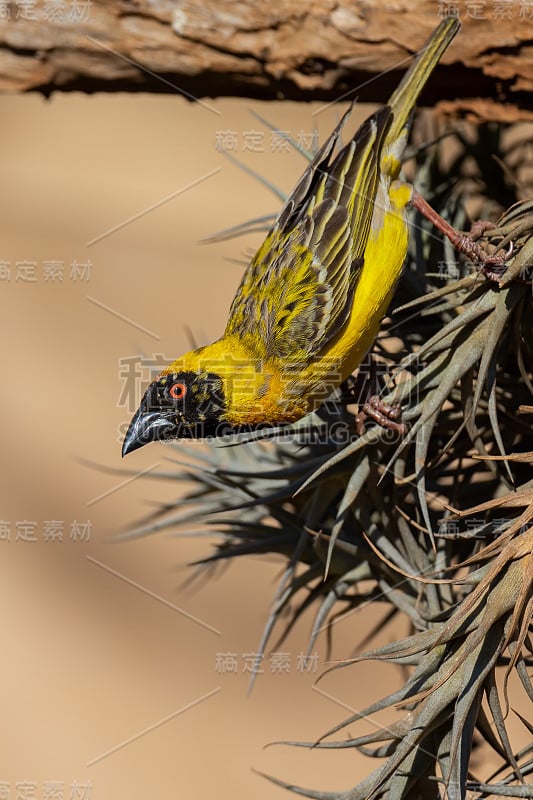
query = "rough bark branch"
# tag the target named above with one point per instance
(305, 50)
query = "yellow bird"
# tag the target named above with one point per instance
(311, 302)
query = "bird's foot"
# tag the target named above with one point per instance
(386, 415)
(493, 264)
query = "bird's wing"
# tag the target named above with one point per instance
(296, 295)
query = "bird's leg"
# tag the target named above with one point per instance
(466, 243)
(362, 390)
(384, 414)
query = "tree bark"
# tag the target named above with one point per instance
(270, 49)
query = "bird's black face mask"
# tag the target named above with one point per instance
(182, 405)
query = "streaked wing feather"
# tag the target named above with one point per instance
(297, 293)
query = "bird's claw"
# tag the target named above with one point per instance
(382, 413)
(492, 264)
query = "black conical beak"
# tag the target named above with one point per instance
(148, 426)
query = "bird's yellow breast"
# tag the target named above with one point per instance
(384, 257)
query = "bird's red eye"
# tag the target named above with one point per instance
(178, 391)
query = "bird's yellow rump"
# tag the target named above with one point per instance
(311, 302)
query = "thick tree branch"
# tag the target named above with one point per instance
(314, 50)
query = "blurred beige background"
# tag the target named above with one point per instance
(89, 660)
(107, 688)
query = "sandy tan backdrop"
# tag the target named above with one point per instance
(103, 685)
(88, 660)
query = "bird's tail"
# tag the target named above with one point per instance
(405, 96)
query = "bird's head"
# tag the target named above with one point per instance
(188, 405)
